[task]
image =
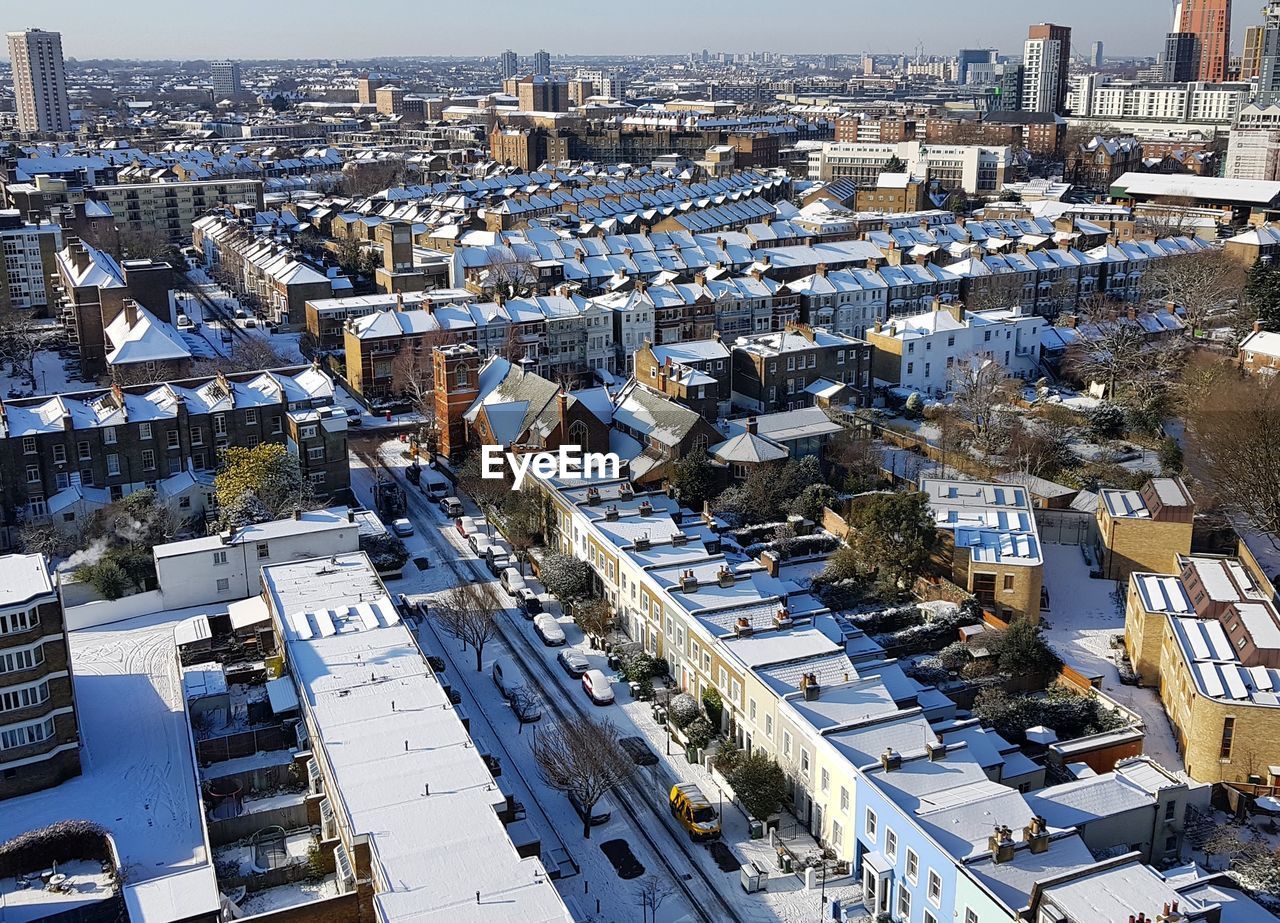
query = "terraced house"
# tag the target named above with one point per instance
(64, 456)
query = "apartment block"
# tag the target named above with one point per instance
(973, 168)
(65, 456)
(169, 209)
(39, 735)
(39, 81)
(800, 366)
(28, 263)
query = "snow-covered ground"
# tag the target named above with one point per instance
(1084, 616)
(139, 784)
(289, 896)
(85, 884)
(549, 811)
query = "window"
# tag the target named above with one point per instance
(751, 705)
(29, 445)
(33, 474)
(1170, 809)
(276, 426)
(786, 742)
(913, 866)
(109, 435)
(21, 659)
(870, 825)
(148, 460)
(60, 454)
(251, 417)
(219, 557)
(929, 918)
(62, 480)
(24, 696)
(23, 735)
(1228, 731)
(316, 454)
(144, 430)
(308, 432)
(904, 902)
(19, 621)
(970, 916)
(219, 424)
(82, 451)
(825, 780)
(1008, 583)
(171, 438)
(935, 888)
(224, 584)
(113, 464)
(264, 550)
(768, 726)
(317, 478)
(804, 761)
(844, 800)
(197, 436)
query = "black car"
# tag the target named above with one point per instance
(413, 473)
(437, 663)
(639, 751)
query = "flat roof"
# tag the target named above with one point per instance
(400, 771)
(23, 577)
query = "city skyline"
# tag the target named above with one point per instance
(1136, 28)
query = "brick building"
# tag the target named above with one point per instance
(1144, 529)
(62, 457)
(39, 735)
(697, 374)
(800, 366)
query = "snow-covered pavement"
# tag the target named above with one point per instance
(1084, 617)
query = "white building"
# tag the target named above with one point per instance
(1042, 74)
(1253, 150)
(975, 168)
(27, 261)
(39, 81)
(225, 567)
(225, 79)
(926, 352)
(1122, 101)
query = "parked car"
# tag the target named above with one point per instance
(402, 528)
(251, 322)
(355, 420)
(548, 630)
(465, 525)
(528, 602)
(452, 506)
(507, 676)
(512, 580)
(573, 663)
(182, 322)
(413, 473)
(436, 490)
(480, 544)
(694, 811)
(639, 751)
(497, 561)
(598, 687)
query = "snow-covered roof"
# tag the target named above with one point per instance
(23, 577)
(143, 337)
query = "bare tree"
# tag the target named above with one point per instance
(509, 274)
(1173, 217)
(652, 893)
(583, 758)
(20, 338)
(469, 614)
(1235, 436)
(1198, 282)
(595, 617)
(1121, 355)
(981, 386)
(525, 705)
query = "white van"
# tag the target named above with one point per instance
(507, 677)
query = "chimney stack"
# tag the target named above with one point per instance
(890, 760)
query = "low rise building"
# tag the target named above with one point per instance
(1260, 352)
(800, 366)
(697, 374)
(989, 544)
(1144, 530)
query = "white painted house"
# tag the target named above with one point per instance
(923, 352)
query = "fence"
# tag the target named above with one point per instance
(242, 743)
(1065, 527)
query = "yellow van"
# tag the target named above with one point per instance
(694, 811)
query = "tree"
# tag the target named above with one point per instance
(522, 521)
(45, 539)
(1021, 650)
(854, 461)
(268, 473)
(1197, 282)
(1043, 451)
(386, 552)
(682, 711)
(279, 103)
(1262, 294)
(488, 493)
(894, 165)
(891, 536)
(981, 387)
(566, 577)
(1170, 455)
(651, 893)
(713, 705)
(913, 409)
(1118, 354)
(759, 783)
(1234, 432)
(1174, 217)
(509, 273)
(595, 618)
(698, 733)
(811, 501)
(1106, 421)
(694, 479)
(583, 758)
(469, 614)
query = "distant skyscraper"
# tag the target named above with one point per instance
(1210, 22)
(1095, 55)
(970, 56)
(1046, 58)
(39, 81)
(226, 78)
(1251, 60)
(1269, 64)
(1181, 57)
(508, 63)
(542, 63)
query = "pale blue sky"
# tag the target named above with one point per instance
(369, 28)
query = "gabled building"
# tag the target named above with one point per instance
(800, 366)
(697, 374)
